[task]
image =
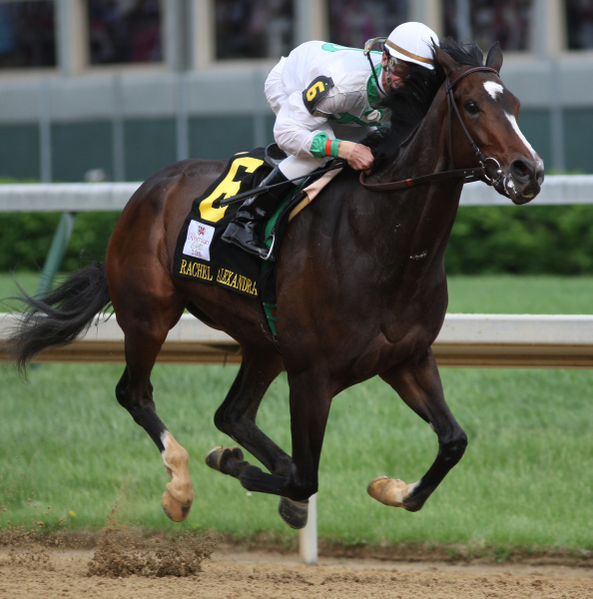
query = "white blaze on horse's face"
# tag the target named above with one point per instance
(493, 88)
(515, 126)
(518, 169)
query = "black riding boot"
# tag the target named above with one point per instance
(244, 229)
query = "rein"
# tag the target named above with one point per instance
(470, 174)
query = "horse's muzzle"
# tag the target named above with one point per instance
(524, 180)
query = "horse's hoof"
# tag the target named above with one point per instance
(217, 457)
(294, 513)
(213, 457)
(173, 508)
(390, 491)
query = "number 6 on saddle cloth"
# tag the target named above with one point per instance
(202, 254)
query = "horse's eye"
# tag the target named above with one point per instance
(472, 107)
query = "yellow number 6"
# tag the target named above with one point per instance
(228, 187)
(314, 90)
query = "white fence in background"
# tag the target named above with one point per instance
(466, 340)
(84, 197)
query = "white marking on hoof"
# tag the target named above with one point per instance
(173, 508)
(390, 491)
(179, 494)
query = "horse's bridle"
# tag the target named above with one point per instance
(484, 161)
(489, 171)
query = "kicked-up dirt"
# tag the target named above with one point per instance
(125, 565)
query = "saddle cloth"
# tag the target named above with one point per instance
(202, 255)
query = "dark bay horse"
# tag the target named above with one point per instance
(361, 287)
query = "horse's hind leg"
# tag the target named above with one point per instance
(146, 320)
(236, 417)
(134, 392)
(294, 479)
(419, 385)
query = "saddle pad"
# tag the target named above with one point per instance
(201, 254)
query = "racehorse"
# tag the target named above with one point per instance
(360, 286)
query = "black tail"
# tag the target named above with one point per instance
(60, 317)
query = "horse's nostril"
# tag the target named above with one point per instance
(522, 169)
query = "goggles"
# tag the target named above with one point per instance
(375, 42)
(397, 67)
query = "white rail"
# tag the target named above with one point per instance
(556, 190)
(84, 197)
(466, 340)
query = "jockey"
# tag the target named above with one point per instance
(326, 98)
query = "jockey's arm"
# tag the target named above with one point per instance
(300, 133)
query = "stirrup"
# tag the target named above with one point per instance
(269, 255)
(232, 238)
(258, 253)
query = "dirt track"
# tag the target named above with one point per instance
(235, 574)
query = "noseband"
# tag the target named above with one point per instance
(489, 171)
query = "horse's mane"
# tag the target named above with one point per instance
(410, 103)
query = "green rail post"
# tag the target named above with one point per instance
(58, 247)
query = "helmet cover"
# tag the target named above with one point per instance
(412, 42)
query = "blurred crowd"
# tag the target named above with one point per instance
(130, 31)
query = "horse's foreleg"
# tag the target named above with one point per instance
(134, 392)
(419, 385)
(179, 494)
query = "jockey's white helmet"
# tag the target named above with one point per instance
(412, 42)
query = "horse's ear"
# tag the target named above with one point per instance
(449, 65)
(494, 58)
